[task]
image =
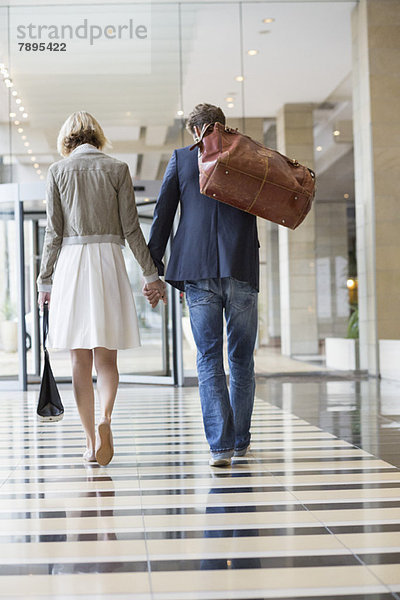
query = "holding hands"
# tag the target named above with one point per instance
(155, 291)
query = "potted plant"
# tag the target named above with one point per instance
(9, 327)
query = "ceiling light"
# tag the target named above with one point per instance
(25, 115)
(17, 122)
(128, 114)
(179, 113)
(231, 105)
(30, 152)
(21, 108)
(33, 158)
(8, 83)
(12, 115)
(26, 144)
(20, 130)
(268, 20)
(24, 136)
(18, 100)
(36, 165)
(147, 199)
(14, 93)
(252, 52)
(318, 148)
(239, 78)
(229, 99)
(336, 132)
(346, 196)
(38, 171)
(41, 177)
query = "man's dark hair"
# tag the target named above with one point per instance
(202, 114)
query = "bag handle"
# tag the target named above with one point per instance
(202, 134)
(45, 323)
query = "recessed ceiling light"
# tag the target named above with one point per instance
(128, 114)
(336, 132)
(18, 101)
(26, 144)
(30, 152)
(230, 105)
(20, 130)
(179, 113)
(229, 99)
(147, 199)
(252, 52)
(318, 148)
(12, 115)
(268, 20)
(38, 171)
(21, 108)
(24, 136)
(239, 78)
(33, 158)
(16, 122)
(41, 177)
(36, 165)
(346, 196)
(25, 115)
(14, 93)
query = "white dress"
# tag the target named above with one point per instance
(91, 301)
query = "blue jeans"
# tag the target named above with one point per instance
(226, 415)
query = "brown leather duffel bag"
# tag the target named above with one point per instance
(245, 174)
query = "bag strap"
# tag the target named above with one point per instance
(45, 323)
(202, 134)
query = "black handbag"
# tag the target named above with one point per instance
(50, 407)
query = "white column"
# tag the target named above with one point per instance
(299, 332)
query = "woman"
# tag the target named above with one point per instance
(91, 210)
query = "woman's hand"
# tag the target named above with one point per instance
(154, 291)
(43, 297)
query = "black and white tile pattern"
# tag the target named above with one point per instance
(304, 515)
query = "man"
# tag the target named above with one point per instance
(214, 259)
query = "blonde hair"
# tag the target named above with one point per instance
(80, 128)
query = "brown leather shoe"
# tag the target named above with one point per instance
(105, 448)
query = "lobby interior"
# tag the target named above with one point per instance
(313, 510)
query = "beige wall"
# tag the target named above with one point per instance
(376, 102)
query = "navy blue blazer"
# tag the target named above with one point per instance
(212, 240)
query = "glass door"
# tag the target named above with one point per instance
(12, 324)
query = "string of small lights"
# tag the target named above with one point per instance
(19, 115)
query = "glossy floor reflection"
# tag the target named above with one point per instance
(312, 512)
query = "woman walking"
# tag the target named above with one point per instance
(91, 210)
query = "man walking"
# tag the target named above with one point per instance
(214, 259)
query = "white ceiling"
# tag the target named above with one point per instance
(305, 55)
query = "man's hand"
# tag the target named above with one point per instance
(154, 291)
(43, 297)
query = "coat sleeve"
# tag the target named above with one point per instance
(53, 235)
(131, 227)
(164, 214)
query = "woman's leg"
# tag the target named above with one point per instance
(105, 362)
(82, 362)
